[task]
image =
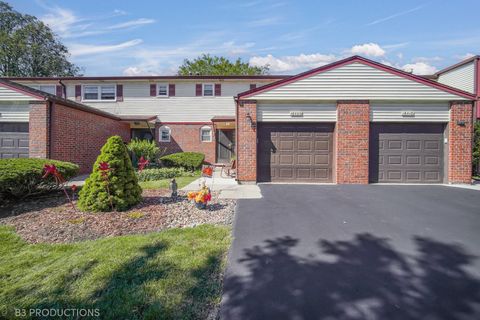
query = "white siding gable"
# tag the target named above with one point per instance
(355, 81)
(7, 94)
(462, 77)
(14, 112)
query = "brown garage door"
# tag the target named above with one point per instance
(295, 152)
(13, 140)
(406, 153)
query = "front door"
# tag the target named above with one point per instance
(225, 145)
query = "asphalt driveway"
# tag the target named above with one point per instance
(355, 252)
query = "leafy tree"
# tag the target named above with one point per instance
(28, 48)
(113, 182)
(207, 65)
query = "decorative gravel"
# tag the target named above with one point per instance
(52, 220)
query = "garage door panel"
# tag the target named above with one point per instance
(301, 152)
(406, 153)
(13, 140)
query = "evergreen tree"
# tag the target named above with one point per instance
(113, 182)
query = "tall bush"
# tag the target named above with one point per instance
(148, 149)
(117, 186)
(476, 148)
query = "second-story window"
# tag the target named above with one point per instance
(46, 88)
(208, 90)
(99, 92)
(162, 90)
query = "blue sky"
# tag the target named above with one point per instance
(153, 37)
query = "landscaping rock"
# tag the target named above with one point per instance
(51, 219)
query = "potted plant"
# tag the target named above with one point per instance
(200, 198)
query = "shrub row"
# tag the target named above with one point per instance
(162, 173)
(187, 160)
(20, 178)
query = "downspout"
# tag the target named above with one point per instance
(236, 136)
(49, 122)
(64, 90)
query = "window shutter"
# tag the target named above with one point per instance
(253, 86)
(78, 92)
(198, 89)
(218, 89)
(153, 90)
(119, 92)
(59, 91)
(171, 90)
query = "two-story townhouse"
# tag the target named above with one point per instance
(182, 113)
(352, 121)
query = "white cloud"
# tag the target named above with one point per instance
(395, 15)
(132, 23)
(264, 22)
(137, 71)
(421, 68)
(291, 63)
(465, 56)
(60, 20)
(427, 59)
(87, 49)
(369, 49)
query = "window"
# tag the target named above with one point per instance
(206, 134)
(46, 88)
(162, 90)
(102, 92)
(164, 134)
(208, 90)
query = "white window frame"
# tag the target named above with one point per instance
(209, 136)
(167, 93)
(160, 138)
(99, 88)
(203, 89)
(38, 87)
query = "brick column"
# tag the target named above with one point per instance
(247, 142)
(38, 126)
(352, 138)
(460, 142)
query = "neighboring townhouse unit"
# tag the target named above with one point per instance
(182, 113)
(352, 121)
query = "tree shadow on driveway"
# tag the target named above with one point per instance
(364, 278)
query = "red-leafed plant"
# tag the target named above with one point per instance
(51, 169)
(104, 168)
(142, 163)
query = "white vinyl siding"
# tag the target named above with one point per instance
(355, 81)
(409, 112)
(7, 94)
(462, 77)
(289, 112)
(173, 109)
(14, 112)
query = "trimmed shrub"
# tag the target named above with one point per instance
(187, 160)
(162, 173)
(148, 149)
(121, 190)
(20, 178)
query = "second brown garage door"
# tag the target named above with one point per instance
(295, 152)
(406, 153)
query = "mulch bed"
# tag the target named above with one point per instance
(51, 219)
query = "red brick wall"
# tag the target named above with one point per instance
(186, 138)
(352, 140)
(77, 136)
(38, 130)
(247, 142)
(460, 143)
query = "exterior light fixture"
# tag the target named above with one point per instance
(250, 121)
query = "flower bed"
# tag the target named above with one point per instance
(51, 219)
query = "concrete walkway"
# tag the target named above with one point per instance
(227, 187)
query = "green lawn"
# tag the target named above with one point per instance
(160, 184)
(173, 274)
